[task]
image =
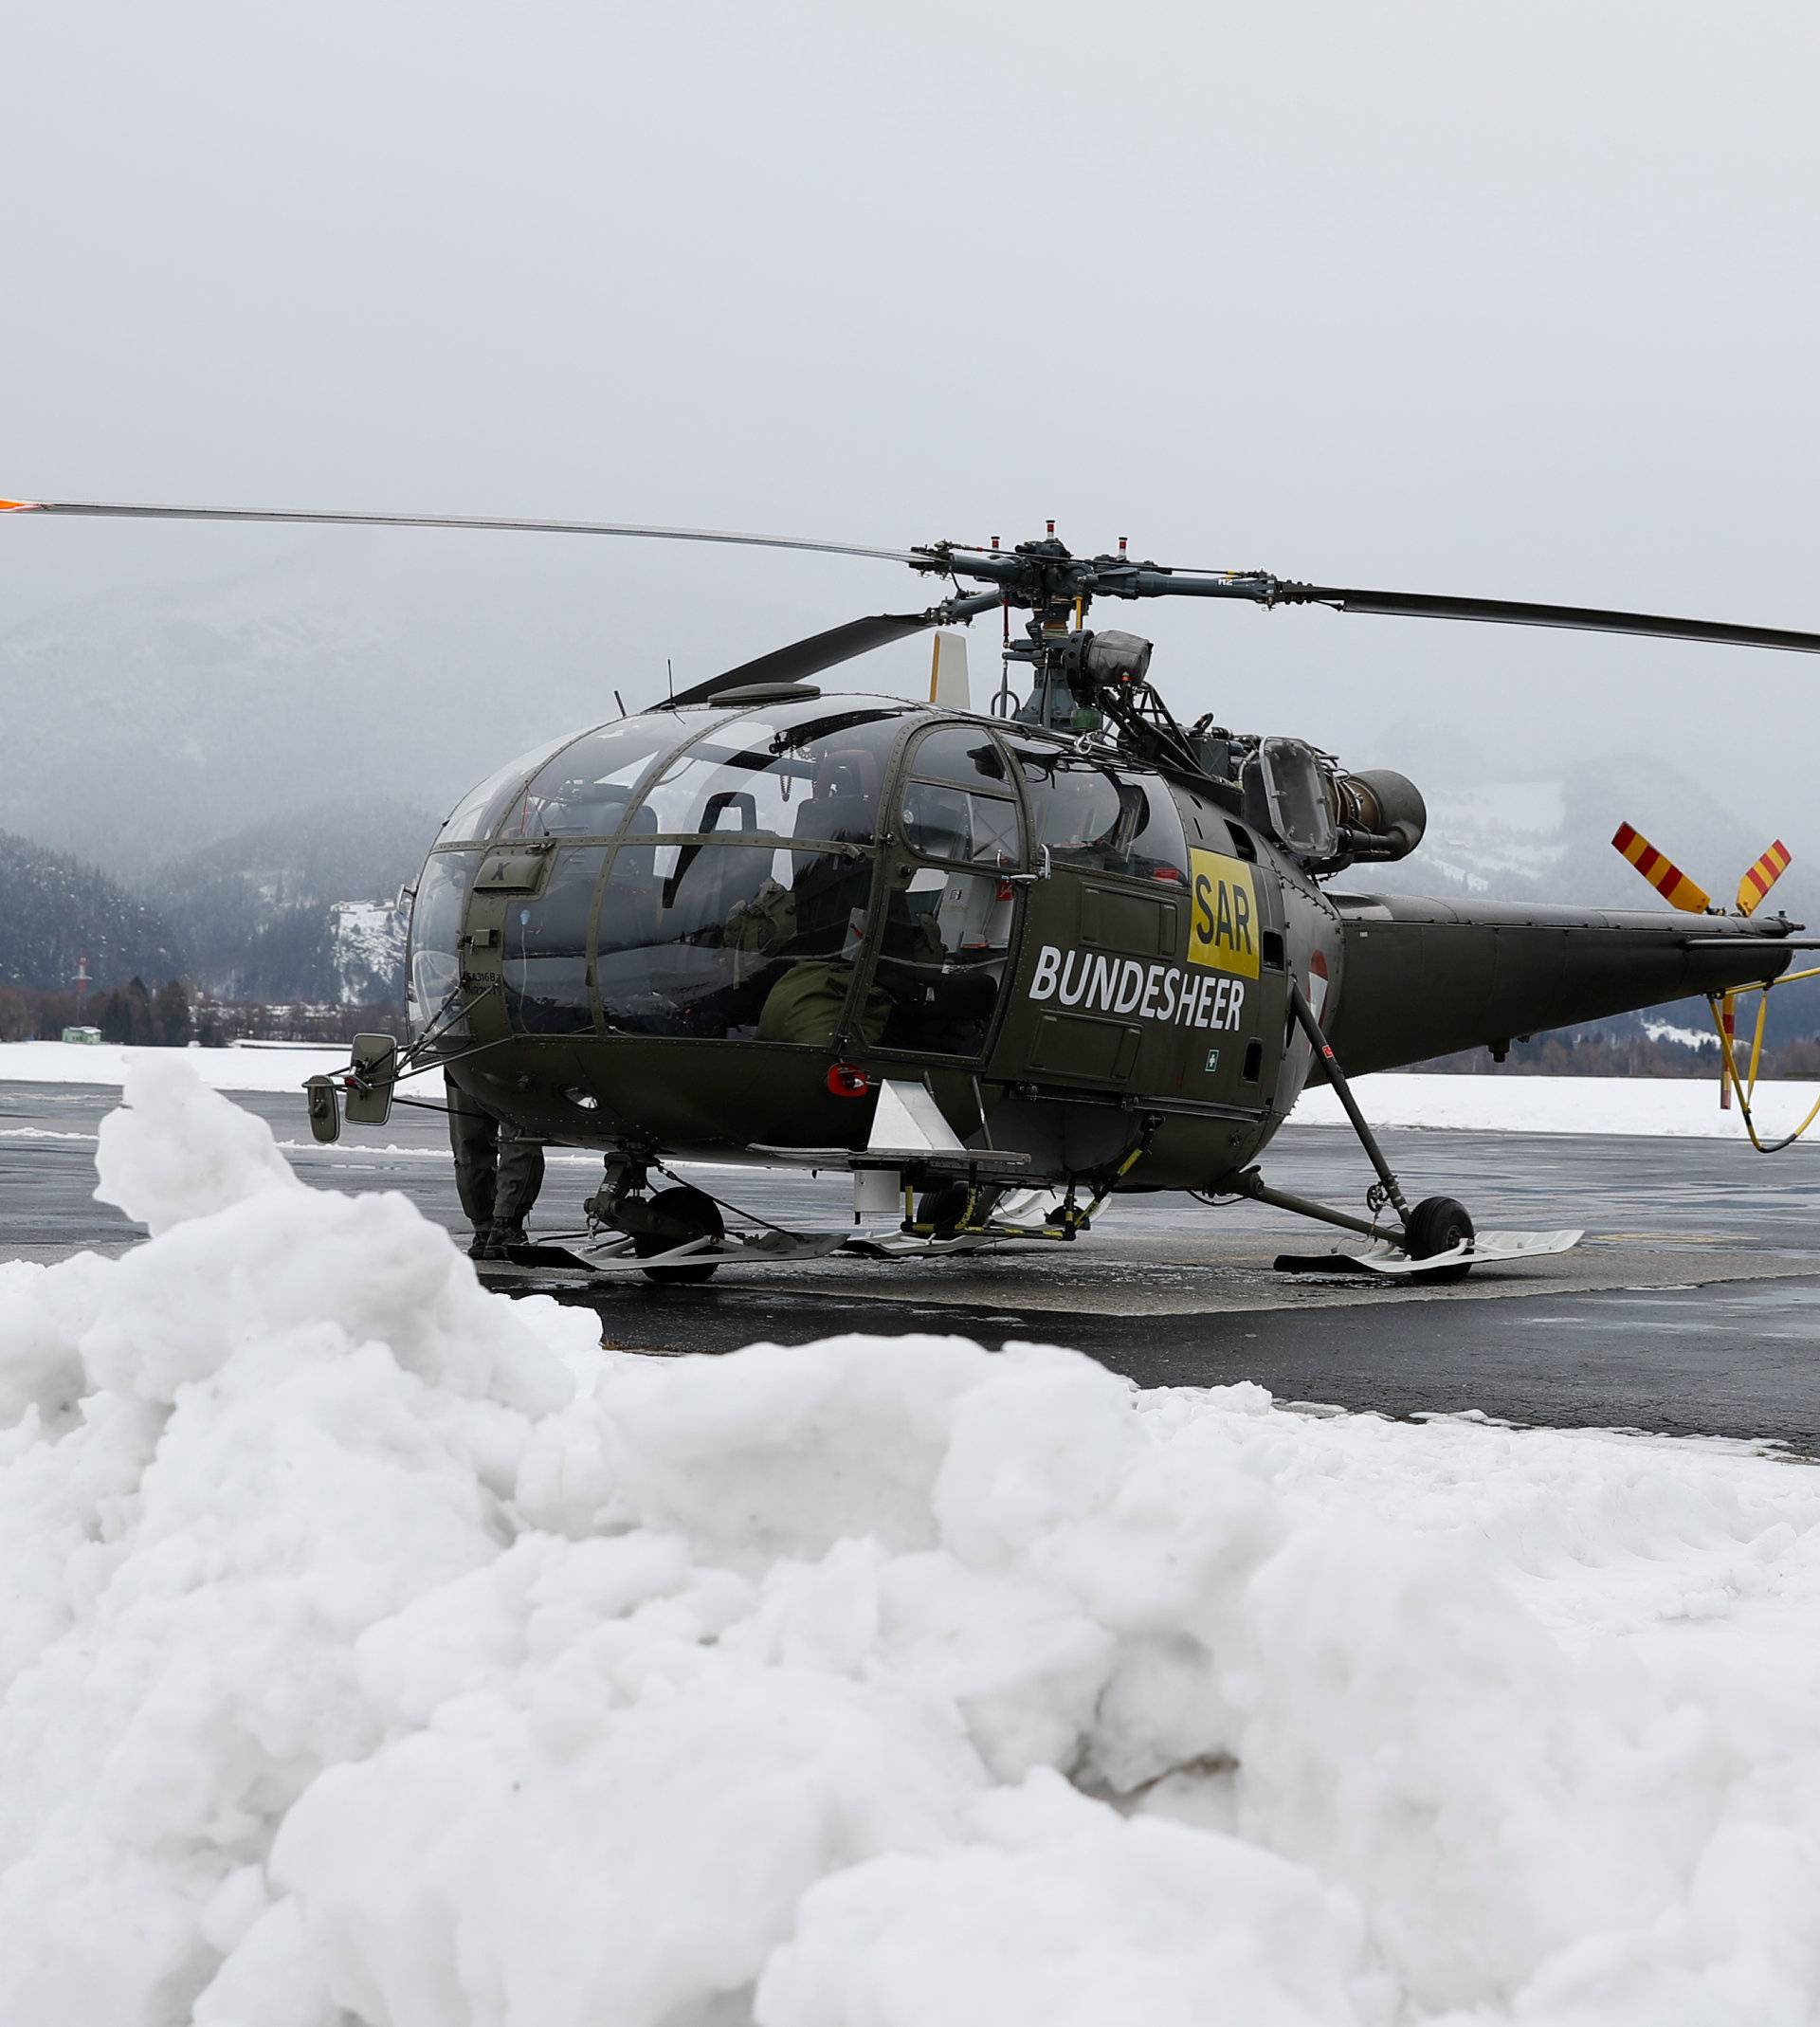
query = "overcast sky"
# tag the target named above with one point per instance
(1518, 301)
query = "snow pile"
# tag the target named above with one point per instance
(380, 1650)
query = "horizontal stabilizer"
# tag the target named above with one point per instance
(1663, 874)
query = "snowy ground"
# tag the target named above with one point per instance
(222, 1070)
(1683, 1107)
(380, 1650)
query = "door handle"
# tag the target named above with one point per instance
(1041, 872)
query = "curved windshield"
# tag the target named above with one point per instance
(586, 790)
(781, 774)
(433, 968)
(478, 813)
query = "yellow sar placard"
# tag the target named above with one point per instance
(1223, 925)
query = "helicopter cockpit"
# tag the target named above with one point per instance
(710, 873)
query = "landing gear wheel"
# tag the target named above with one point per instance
(691, 1215)
(951, 1204)
(1436, 1225)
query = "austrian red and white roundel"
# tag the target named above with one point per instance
(1317, 983)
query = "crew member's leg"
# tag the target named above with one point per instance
(474, 1135)
(521, 1177)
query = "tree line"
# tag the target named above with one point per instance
(165, 1017)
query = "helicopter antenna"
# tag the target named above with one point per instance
(669, 677)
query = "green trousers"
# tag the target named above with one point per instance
(498, 1171)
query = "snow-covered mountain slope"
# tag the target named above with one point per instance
(368, 938)
(1547, 836)
(300, 906)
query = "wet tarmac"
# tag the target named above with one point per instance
(1692, 1307)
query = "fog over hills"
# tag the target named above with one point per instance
(147, 723)
(266, 913)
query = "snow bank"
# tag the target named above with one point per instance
(221, 1069)
(1683, 1107)
(1679, 1106)
(380, 1650)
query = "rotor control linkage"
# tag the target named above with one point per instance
(1330, 1066)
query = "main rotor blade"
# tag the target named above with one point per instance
(114, 511)
(810, 656)
(1510, 613)
(1114, 578)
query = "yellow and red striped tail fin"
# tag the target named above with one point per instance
(1762, 876)
(1663, 874)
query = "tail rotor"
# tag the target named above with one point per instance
(1681, 893)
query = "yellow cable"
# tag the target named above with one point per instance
(1743, 1099)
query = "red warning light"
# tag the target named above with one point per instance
(847, 1079)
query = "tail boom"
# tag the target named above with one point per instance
(1426, 978)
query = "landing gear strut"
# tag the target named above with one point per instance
(1436, 1225)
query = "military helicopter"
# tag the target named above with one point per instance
(1000, 965)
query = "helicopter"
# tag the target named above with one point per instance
(1000, 965)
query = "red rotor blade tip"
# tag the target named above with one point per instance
(17, 506)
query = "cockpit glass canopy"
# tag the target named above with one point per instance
(586, 787)
(478, 815)
(798, 772)
(1105, 818)
(960, 803)
(709, 873)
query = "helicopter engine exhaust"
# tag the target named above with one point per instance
(1381, 814)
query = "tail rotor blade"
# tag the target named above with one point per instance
(1762, 876)
(1662, 873)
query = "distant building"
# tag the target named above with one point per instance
(88, 1036)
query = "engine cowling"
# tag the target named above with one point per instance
(1381, 814)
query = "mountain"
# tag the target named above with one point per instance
(1547, 837)
(55, 910)
(300, 905)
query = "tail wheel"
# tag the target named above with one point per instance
(689, 1215)
(1437, 1225)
